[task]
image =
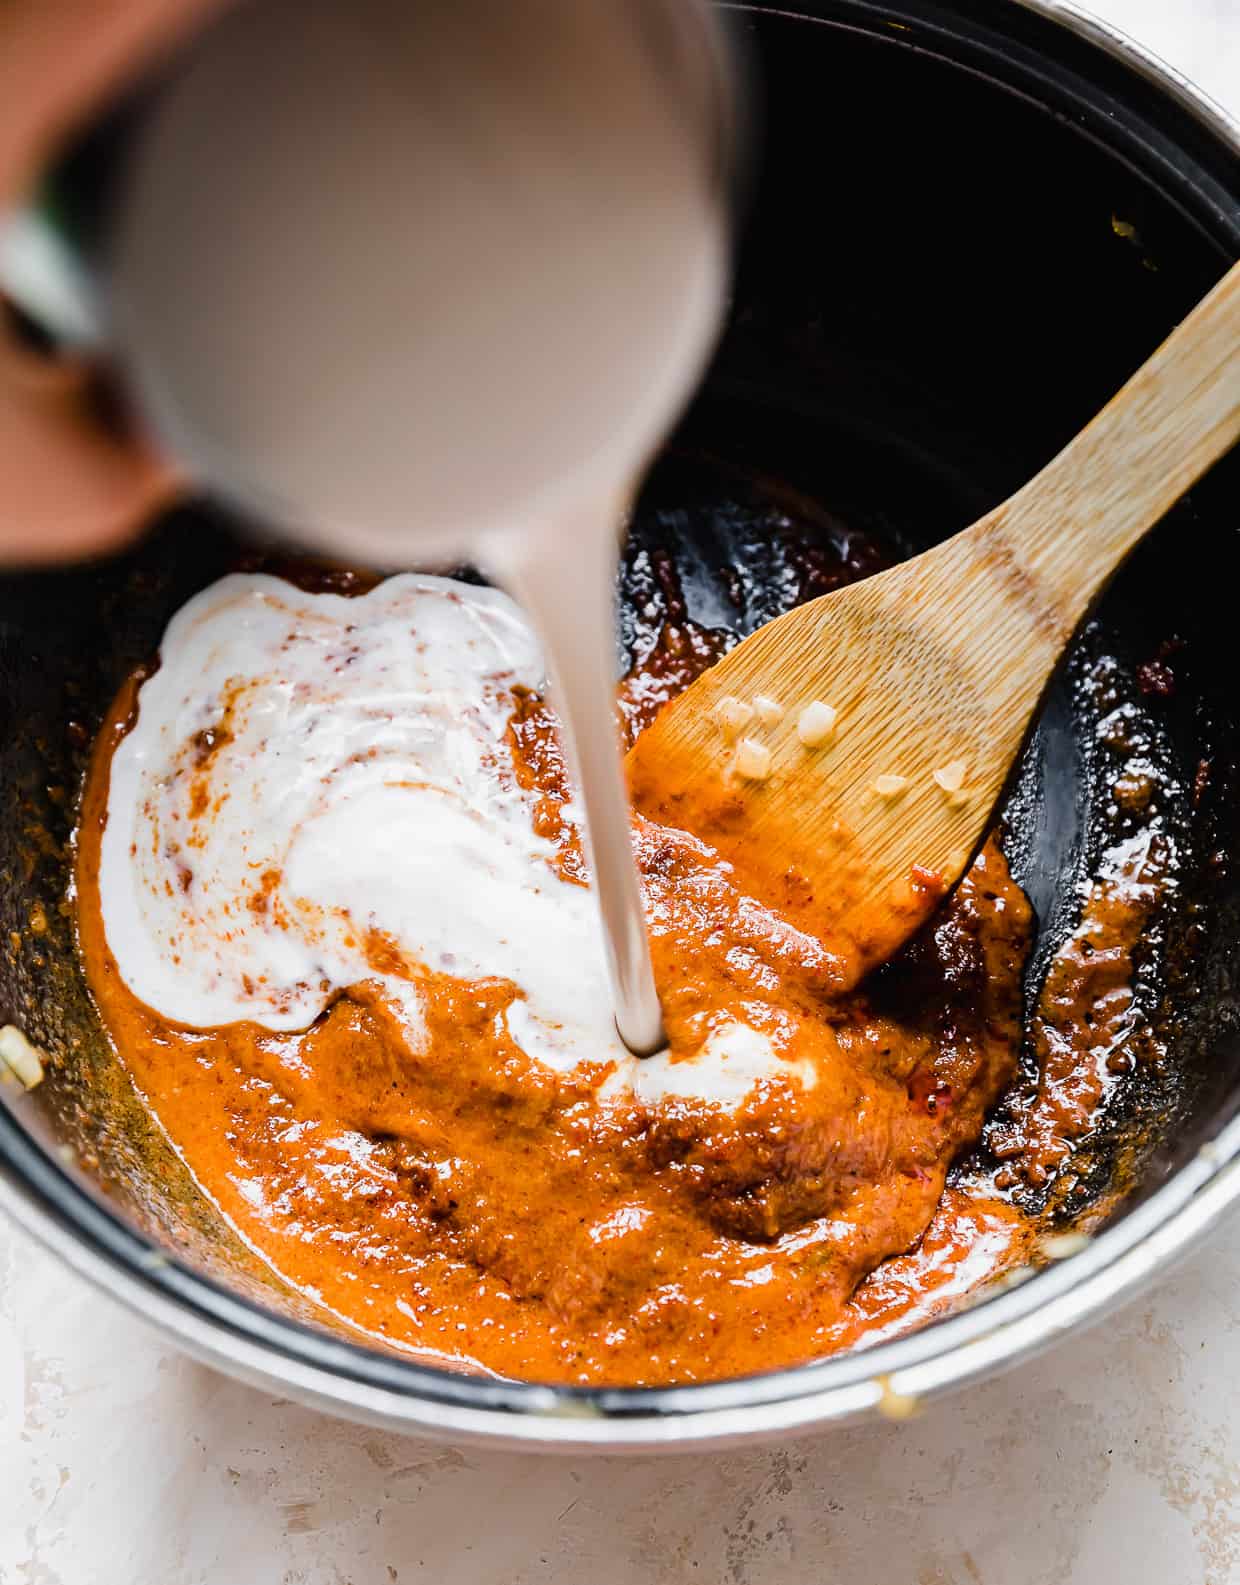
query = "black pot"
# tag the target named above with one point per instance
(970, 222)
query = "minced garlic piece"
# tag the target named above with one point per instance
(769, 711)
(1062, 1246)
(889, 786)
(816, 723)
(893, 1405)
(753, 759)
(733, 715)
(20, 1057)
(951, 777)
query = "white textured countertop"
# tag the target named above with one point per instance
(1113, 1461)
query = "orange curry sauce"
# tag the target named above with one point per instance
(466, 1202)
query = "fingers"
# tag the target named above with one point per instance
(70, 483)
(61, 59)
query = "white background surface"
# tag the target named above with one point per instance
(1115, 1461)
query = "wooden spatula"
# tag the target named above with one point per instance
(932, 671)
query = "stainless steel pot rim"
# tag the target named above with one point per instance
(959, 1349)
(1161, 73)
(1116, 43)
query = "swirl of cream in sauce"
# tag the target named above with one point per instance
(312, 773)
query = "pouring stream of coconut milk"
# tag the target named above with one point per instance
(424, 283)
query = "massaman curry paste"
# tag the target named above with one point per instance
(462, 1200)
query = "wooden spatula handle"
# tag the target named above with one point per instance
(1072, 524)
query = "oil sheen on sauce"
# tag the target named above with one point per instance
(333, 907)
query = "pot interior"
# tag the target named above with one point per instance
(966, 228)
